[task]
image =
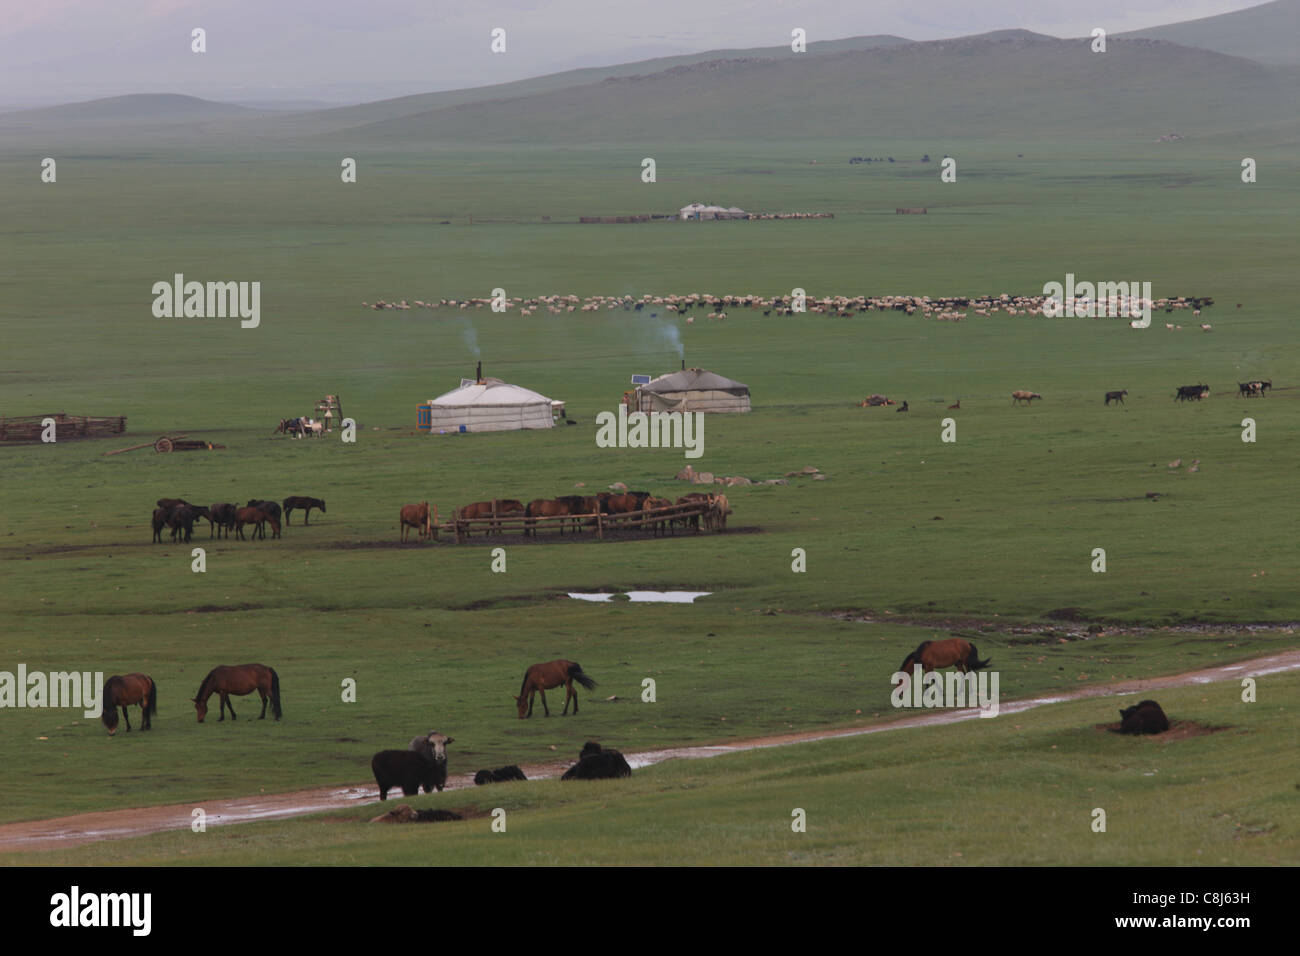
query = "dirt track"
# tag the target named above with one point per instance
(63, 832)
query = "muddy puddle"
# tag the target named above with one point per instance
(657, 597)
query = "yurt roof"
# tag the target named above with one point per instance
(694, 379)
(492, 392)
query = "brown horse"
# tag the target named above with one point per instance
(256, 517)
(545, 508)
(239, 681)
(542, 677)
(695, 498)
(660, 523)
(416, 516)
(121, 690)
(935, 654)
(483, 509)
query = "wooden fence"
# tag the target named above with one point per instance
(28, 428)
(657, 520)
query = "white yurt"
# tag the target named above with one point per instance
(693, 390)
(488, 405)
(691, 211)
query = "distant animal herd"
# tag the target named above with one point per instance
(179, 515)
(1182, 393)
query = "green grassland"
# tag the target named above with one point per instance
(1016, 790)
(998, 526)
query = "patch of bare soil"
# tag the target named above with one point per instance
(1178, 730)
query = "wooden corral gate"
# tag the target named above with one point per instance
(645, 519)
(66, 427)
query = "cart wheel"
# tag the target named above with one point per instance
(162, 444)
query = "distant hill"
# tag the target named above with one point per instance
(1011, 83)
(348, 116)
(135, 108)
(1268, 33)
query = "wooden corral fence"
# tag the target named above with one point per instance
(645, 519)
(28, 427)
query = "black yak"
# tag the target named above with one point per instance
(423, 765)
(597, 763)
(500, 775)
(1143, 718)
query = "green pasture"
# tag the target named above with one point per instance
(1017, 790)
(998, 527)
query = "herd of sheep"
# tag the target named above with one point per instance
(941, 308)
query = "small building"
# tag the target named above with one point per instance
(691, 211)
(692, 390)
(487, 405)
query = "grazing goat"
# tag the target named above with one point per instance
(597, 763)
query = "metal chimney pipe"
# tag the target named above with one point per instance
(478, 375)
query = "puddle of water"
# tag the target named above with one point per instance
(662, 597)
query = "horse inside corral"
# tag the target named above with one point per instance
(123, 689)
(542, 677)
(932, 655)
(544, 508)
(503, 507)
(239, 680)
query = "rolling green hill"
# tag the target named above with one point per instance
(1013, 84)
(1266, 33)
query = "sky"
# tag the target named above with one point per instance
(350, 51)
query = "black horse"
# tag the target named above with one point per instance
(302, 501)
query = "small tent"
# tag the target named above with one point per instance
(693, 390)
(489, 405)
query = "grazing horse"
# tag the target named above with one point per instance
(181, 519)
(1117, 397)
(221, 517)
(170, 503)
(302, 501)
(121, 690)
(240, 680)
(1020, 395)
(272, 509)
(545, 508)
(416, 516)
(935, 654)
(542, 677)
(257, 517)
(159, 522)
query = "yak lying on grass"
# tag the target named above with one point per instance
(500, 775)
(597, 763)
(1143, 718)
